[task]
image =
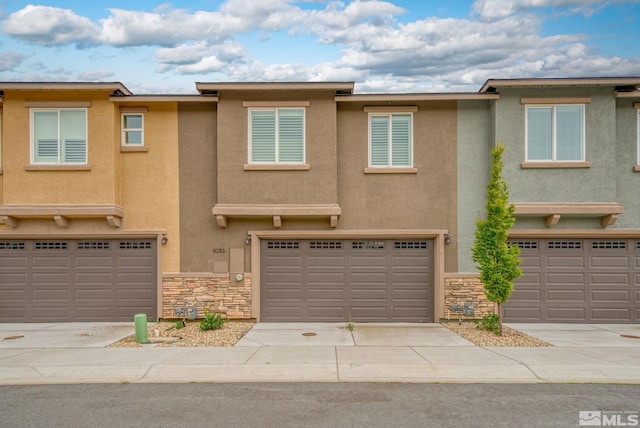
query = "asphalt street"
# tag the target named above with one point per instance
(285, 405)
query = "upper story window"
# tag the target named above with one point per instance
(390, 140)
(555, 133)
(59, 136)
(132, 129)
(276, 136)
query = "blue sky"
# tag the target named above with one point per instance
(384, 46)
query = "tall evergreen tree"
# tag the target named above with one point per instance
(497, 261)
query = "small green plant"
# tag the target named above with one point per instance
(490, 322)
(212, 322)
(350, 324)
(180, 324)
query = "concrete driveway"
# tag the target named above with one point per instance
(583, 335)
(336, 334)
(63, 335)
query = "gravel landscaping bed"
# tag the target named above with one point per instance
(467, 330)
(166, 334)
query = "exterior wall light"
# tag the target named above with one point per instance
(164, 240)
(247, 241)
(447, 239)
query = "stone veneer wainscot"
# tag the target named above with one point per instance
(459, 288)
(214, 293)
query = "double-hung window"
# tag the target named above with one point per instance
(59, 136)
(132, 129)
(555, 133)
(390, 140)
(276, 136)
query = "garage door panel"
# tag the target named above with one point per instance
(614, 279)
(92, 295)
(51, 279)
(368, 278)
(77, 280)
(363, 280)
(323, 313)
(7, 294)
(402, 278)
(94, 279)
(610, 296)
(531, 261)
(580, 281)
(609, 262)
(529, 278)
(125, 295)
(325, 261)
(379, 262)
(283, 277)
(51, 294)
(565, 296)
(563, 262)
(135, 262)
(50, 263)
(325, 278)
(520, 294)
(410, 261)
(566, 313)
(319, 294)
(413, 294)
(278, 294)
(368, 294)
(556, 279)
(611, 314)
(13, 262)
(286, 261)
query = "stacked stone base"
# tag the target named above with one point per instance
(466, 288)
(214, 293)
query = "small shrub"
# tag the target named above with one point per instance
(180, 324)
(490, 322)
(212, 322)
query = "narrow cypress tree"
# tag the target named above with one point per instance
(496, 260)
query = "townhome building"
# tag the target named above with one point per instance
(309, 202)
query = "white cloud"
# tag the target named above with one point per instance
(10, 60)
(92, 76)
(497, 9)
(50, 26)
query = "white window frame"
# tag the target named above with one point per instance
(277, 142)
(553, 108)
(638, 135)
(125, 130)
(59, 161)
(390, 139)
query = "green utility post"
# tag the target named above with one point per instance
(141, 328)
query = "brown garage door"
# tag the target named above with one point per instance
(365, 280)
(77, 280)
(583, 280)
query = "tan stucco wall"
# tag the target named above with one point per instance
(424, 200)
(53, 187)
(315, 186)
(197, 153)
(150, 189)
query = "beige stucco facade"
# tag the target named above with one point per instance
(118, 193)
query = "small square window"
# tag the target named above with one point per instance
(132, 129)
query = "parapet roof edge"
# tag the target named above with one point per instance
(342, 87)
(491, 84)
(55, 86)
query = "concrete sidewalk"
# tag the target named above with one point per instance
(371, 353)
